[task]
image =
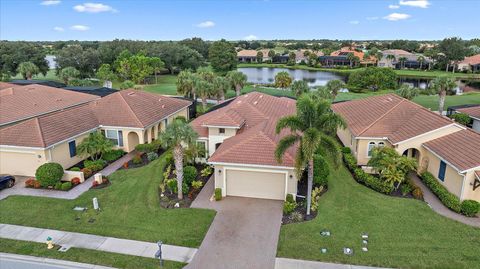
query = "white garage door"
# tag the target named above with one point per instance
(15, 163)
(255, 184)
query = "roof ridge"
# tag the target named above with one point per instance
(40, 132)
(273, 143)
(426, 109)
(383, 116)
(234, 146)
(131, 110)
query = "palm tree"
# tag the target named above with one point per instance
(204, 90)
(421, 60)
(94, 146)
(27, 69)
(186, 83)
(259, 57)
(271, 54)
(334, 86)
(351, 58)
(67, 73)
(408, 92)
(283, 80)
(238, 80)
(299, 87)
(206, 73)
(440, 86)
(220, 87)
(311, 129)
(391, 58)
(402, 61)
(179, 136)
(392, 167)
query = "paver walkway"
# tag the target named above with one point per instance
(244, 233)
(437, 206)
(19, 188)
(11, 261)
(96, 242)
(284, 263)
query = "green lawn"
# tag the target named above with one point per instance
(129, 209)
(84, 256)
(403, 233)
(51, 75)
(166, 85)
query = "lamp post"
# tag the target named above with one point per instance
(158, 254)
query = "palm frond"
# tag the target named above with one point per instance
(292, 122)
(284, 144)
(331, 147)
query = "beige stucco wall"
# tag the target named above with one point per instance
(21, 161)
(215, 137)
(348, 140)
(220, 177)
(362, 149)
(453, 180)
(61, 153)
(468, 192)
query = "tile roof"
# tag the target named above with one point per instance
(477, 173)
(472, 60)
(23, 102)
(256, 141)
(4, 85)
(473, 111)
(461, 149)
(389, 116)
(46, 130)
(396, 52)
(247, 53)
(134, 108)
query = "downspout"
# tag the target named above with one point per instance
(463, 186)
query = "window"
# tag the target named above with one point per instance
(73, 148)
(202, 149)
(217, 145)
(381, 144)
(165, 122)
(115, 136)
(221, 130)
(371, 145)
(441, 171)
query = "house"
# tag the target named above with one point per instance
(471, 63)
(36, 136)
(250, 56)
(301, 55)
(240, 140)
(392, 121)
(393, 59)
(471, 110)
(340, 57)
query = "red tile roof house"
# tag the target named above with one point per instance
(392, 121)
(240, 142)
(474, 113)
(44, 124)
(471, 63)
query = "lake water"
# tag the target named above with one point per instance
(266, 75)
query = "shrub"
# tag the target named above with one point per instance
(406, 189)
(137, 159)
(346, 150)
(95, 165)
(321, 171)
(197, 184)
(49, 174)
(145, 148)
(461, 118)
(127, 84)
(296, 216)
(37, 184)
(289, 198)
(152, 156)
(218, 194)
(417, 193)
(125, 165)
(172, 185)
(289, 207)
(189, 174)
(75, 181)
(470, 208)
(169, 158)
(167, 172)
(315, 198)
(87, 172)
(66, 186)
(113, 155)
(362, 177)
(76, 169)
(206, 171)
(29, 183)
(58, 186)
(448, 199)
(185, 187)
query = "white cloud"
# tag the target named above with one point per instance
(250, 37)
(397, 17)
(415, 3)
(372, 18)
(58, 29)
(94, 8)
(393, 6)
(79, 27)
(206, 24)
(354, 22)
(50, 2)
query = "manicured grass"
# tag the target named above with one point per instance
(431, 101)
(51, 75)
(403, 233)
(84, 256)
(129, 209)
(166, 85)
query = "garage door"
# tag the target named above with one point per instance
(255, 184)
(15, 163)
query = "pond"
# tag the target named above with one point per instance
(266, 75)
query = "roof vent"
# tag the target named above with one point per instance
(239, 101)
(159, 99)
(163, 106)
(131, 93)
(256, 102)
(261, 96)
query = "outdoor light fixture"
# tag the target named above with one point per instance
(219, 171)
(291, 176)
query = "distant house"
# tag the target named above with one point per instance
(301, 57)
(471, 63)
(471, 110)
(340, 58)
(393, 59)
(250, 56)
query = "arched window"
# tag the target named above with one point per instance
(371, 145)
(381, 144)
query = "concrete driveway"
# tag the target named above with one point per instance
(244, 233)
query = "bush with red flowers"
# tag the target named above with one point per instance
(75, 181)
(29, 183)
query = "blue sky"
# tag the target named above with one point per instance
(238, 20)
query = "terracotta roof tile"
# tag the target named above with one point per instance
(473, 111)
(477, 173)
(472, 60)
(461, 149)
(388, 116)
(4, 85)
(23, 102)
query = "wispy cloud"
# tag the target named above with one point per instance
(354, 22)
(393, 6)
(94, 8)
(80, 27)
(58, 29)
(372, 18)
(50, 2)
(397, 16)
(250, 37)
(206, 24)
(415, 3)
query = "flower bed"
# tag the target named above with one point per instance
(97, 185)
(89, 167)
(59, 186)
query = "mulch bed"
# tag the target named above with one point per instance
(144, 162)
(301, 204)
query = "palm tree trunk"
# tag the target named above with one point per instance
(178, 156)
(204, 104)
(238, 90)
(441, 102)
(309, 185)
(222, 96)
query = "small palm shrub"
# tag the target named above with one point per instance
(218, 194)
(49, 174)
(289, 207)
(189, 174)
(197, 184)
(152, 156)
(206, 171)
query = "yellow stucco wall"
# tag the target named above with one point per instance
(214, 137)
(347, 139)
(468, 192)
(362, 149)
(21, 161)
(61, 153)
(453, 180)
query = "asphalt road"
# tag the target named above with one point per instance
(12, 261)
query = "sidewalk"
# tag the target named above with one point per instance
(284, 263)
(95, 242)
(9, 261)
(19, 188)
(437, 206)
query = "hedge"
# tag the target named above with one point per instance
(470, 208)
(321, 171)
(448, 199)
(363, 177)
(48, 174)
